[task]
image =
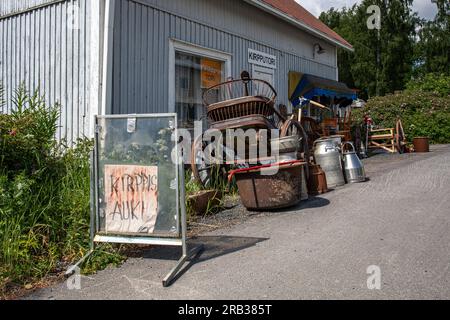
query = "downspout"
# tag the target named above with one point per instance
(108, 45)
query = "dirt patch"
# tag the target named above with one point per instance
(233, 213)
(12, 291)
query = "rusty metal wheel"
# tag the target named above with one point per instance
(400, 138)
(201, 168)
(205, 169)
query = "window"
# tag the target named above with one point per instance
(192, 70)
(193, 75)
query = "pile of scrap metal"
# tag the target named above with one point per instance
(290, 172)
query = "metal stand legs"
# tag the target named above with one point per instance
(73, 268)
(173, 273)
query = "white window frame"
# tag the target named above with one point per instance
(189, 48)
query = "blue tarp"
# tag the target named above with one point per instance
(311, 86)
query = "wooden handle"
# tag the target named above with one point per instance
(319, 105)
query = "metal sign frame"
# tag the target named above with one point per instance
(95, 235)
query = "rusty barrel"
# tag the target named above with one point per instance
(266, 189)
(421, 144)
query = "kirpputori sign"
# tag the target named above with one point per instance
(262, 59)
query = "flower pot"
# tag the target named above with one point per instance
(203, 200)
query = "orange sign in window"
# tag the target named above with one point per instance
(211, 73)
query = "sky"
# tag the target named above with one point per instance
(425, 8)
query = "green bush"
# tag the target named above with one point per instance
(437, 83)
(44, 195)
(27, 134)
(423, 113)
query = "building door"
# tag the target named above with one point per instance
(263, 73)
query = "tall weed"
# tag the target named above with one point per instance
(44, 195)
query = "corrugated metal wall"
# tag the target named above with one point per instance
(39, 49)
(15, 6)
(240, 18)
(141, 52)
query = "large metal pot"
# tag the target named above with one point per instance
(264, 189)
(327, 154)
(353, 167)
(287, 148)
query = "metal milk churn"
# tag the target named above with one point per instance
(337, 140)
(353, 167)
(328, 155)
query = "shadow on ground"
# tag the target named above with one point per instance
(313, 202)
(213, 247)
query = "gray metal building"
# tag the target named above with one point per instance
(149, 56)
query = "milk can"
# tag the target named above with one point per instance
(336, 139)
(328, 155)
(353, 167)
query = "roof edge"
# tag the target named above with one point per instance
(268, 8)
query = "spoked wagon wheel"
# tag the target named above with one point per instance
(202, 169)
(312, 129)
(207, 172)
(293, 128)
(400, 138)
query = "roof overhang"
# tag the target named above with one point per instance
(268, 8)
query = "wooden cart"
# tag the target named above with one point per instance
(389, 139)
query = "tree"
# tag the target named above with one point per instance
(382, 60)
(432, 54)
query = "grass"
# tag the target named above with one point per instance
(44, 197)
(217, 182)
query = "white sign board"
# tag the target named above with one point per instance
(262, 59)
(131, 194)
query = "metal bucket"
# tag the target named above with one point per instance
(286, 144)
(421, 144)
(327, 154)
(353, 167)
(287, 148)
